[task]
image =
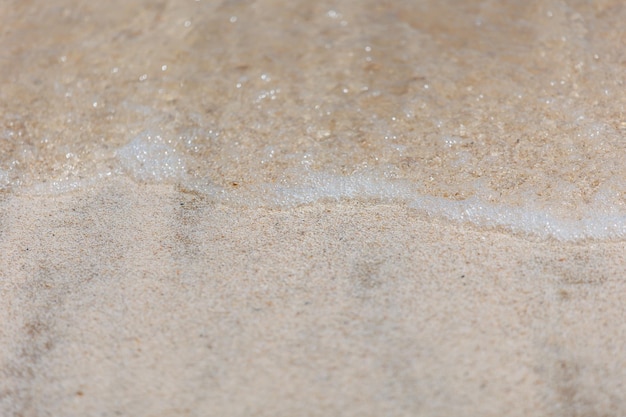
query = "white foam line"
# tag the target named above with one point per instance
(315, 187)
(57, 187)
(522, 220)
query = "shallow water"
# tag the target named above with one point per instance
(502, 114)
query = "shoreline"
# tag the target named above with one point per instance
(524, 222)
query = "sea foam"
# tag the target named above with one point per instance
(525, 220)
(504, 116)
(150, 157)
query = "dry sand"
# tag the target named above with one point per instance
(135, 282)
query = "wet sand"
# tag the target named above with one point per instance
(132, 299)
(304, 209)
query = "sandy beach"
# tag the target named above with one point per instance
(143, 300)
(263, 208)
